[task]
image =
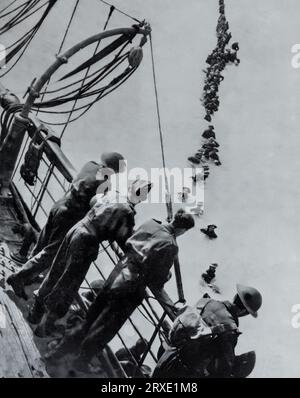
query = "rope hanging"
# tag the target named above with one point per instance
(7, 7)
(169, 204)
(37, 112)
(121, 12)
(65, 125)
(86, 91)
(90, 105)
(27, 9)
(51, 167)
(218, 59)
(167, 187)
(87, 73)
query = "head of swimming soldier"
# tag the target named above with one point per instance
(247, 301)
(113, 161)
(138, 191)
(182, 222)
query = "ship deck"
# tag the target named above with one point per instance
(21, 351)
(20, 355)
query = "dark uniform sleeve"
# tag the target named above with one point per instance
(118, 223)
(159, 264)
(62, 220)
(226, 355)
(44, 236)
(126, 229)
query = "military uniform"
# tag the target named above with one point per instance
(80, 248)
(207, 356)
(63, 216)
(150, 256)
(93, 175)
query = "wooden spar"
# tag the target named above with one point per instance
(11, 146)
(63, 58)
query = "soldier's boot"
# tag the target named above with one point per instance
(17, 285)
(36, 312)
(46, 328)
(212, 235)
(204, 231)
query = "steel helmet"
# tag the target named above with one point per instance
(114, 161)
(251, 299)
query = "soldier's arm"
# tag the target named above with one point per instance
(161, 262)
(226, 355)
(126, 230)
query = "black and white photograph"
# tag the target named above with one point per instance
(149, 203)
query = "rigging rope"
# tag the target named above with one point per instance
(25, 7)
(8, 6)
(102, 54)
(86, 75)
(98, 73)
(69, 26)
(63, 99)
(161, 138)
(63, 41)
(89, 106)
(121, 12)
(20, 20)
(19, 47)
(51, 167)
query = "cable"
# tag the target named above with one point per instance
(51, 167)
(62, 43)
(87, 72)
(69, 26)
(29, 15)
(88, 77)
(167, 187)
(121, 12)
(10, 12)
(61, 100)
(88, 107)
(21, 45)
(15, 20)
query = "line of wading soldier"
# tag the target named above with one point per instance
(217, 61)
(89, 214)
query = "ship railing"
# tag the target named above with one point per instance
(151, 321)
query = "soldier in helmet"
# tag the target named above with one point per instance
(210, 231)
(209, 133)
(203, 339)
(152, 250)
(110, 219)
(235, 46)
(64, 215)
